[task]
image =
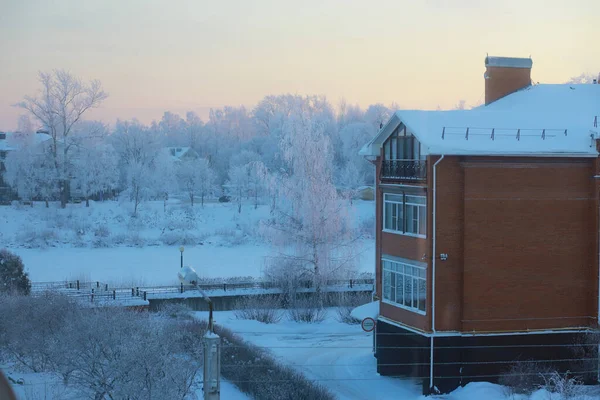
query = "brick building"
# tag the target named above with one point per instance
(487, 246)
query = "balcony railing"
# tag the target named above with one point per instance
(404, 169)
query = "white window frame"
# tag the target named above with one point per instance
(422, 277)
(403, 205)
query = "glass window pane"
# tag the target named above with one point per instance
(416, 199)
(387, 213)
(409, 217)
(399, 219)
(399, 288)
(422, 294)
(394, 144)
(422, 273)
(387, 276)
(393, 197)
(422, 220)
(408, 291)
(393, 287)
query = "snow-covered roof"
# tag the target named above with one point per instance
(14, 139)
(532, 121)
(178, 152)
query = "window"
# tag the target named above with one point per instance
(402, 145)
(405, 285)
(405, 214)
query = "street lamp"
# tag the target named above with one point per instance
(212, 352)
(181, 251)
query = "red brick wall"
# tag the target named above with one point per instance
(529, 244)
(521, 238)
(502, 81)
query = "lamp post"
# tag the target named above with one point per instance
(181, 251)
(212, 342)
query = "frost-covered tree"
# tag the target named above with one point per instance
(95, 171)
(164, 177)
(353, 137)
(238, 181)
(139, 182)
(583, 78)
(59, 107)
(13, 277)
(256, 178)
(195, 178)
(30, 173)
(310, 227)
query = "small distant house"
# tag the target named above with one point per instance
(179, 154)
(487, 236)
(366, 193)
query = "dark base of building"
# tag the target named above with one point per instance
(459, 360)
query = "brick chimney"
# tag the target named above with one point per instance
(505, 75)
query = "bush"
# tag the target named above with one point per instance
(347, 303)
(565, 385)
(258, 375)
(175, 310)
(306, 311)
(13, 277)
(524, 377)
(101, 352)
(258, 308)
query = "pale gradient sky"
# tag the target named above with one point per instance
(177, 55)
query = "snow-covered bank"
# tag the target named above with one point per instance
(104, 243)
(156, 264)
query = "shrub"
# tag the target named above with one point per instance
(524, 377)
(175, 310)
(366, 227)
(347, 303)
(306, 311)
(13, 277)
(32, 237)
(258, 308)
(258, 375)
(565, 385)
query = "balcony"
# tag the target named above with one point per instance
(413, 170)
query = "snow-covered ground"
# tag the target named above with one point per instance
(46, 386)
(104, 243)
(339, 356)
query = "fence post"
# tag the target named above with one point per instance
(97, 284)
(181, 289)
(106, 287)
(132, 292)
(77, 284)
(92, 295)
(114, 294)
(145, 295)
(224, 287)
(137, 291)
(350, 283)
(212, 367)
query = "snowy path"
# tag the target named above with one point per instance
(336, 355)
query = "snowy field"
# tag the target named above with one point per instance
(104, 243)
(339, 356)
